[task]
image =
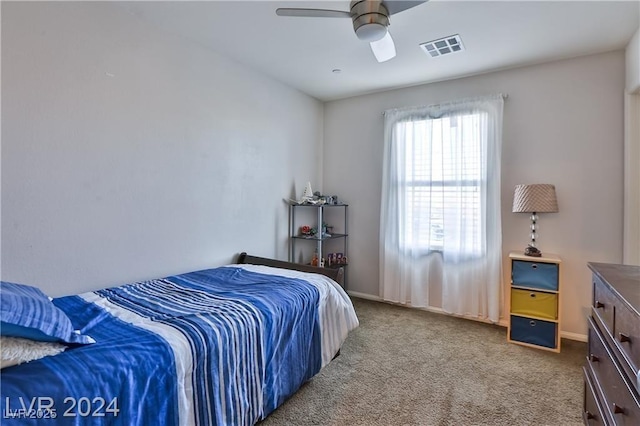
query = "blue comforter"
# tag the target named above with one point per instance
(219, 346)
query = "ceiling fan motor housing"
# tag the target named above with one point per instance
(370, 19)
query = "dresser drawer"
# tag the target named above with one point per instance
(627, 336)
(592, 413)
(543, 276)
(534, 303)
(603, 303)
(620, 401)
(535, 332)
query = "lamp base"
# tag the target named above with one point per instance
(532, 251)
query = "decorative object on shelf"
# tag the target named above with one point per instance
(336, 259)
(308, 197)
(314, 260)
(326, 230)
(339, 259)
(330, 199)
(534, 199)
(307, 231)
(308, 193)
(314, 198)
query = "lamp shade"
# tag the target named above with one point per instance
(538, 198)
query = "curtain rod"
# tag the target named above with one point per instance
(503, 95)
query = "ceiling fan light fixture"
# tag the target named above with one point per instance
(370, 19)
(371, 32)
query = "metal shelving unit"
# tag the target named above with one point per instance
(318, 239)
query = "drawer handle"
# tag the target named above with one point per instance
(532, 295)
(593, 358)
(532, 323)
(624, 338)
(588, 415)
(534, 266)
(617, 409)
(599, 304)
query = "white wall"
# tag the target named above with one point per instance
(631, 253)
(563, 124)
(128, 153)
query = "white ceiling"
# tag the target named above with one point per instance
(302, 52)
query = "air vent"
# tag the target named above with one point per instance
(443, 46)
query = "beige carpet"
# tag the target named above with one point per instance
(410, 367)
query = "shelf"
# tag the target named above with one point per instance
(318, 205)
(314, 238)
(543, 290)
(334, 266)
(536, 317)
(338, 217)
(545, 258)
(337, 266)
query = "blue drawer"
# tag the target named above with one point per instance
(535, 332)
(535, 275)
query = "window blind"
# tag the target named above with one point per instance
(442, 173)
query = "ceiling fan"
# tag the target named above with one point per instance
(370, 21)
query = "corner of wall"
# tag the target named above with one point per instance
(633, 63)
(320, 149)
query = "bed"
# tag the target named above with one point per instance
(220, 346)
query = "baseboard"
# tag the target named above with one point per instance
(503, 322)
(364, 296)
(573, 336)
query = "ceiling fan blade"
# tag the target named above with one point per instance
(312, 13)
(395, 6)
(384, 49)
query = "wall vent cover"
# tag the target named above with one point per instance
(443, 46)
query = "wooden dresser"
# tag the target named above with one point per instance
(611, 374)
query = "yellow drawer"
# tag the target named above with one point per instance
(534, 303)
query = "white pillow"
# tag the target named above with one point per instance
(16, 350)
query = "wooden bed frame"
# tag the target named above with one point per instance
(336, 274)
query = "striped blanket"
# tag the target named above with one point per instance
(222, 346)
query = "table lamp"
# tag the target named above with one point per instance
(534, 199)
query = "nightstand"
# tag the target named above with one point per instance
(534, 302)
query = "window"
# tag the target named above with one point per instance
(441, 194)
(441, 181)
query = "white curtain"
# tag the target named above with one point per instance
(440, 221)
